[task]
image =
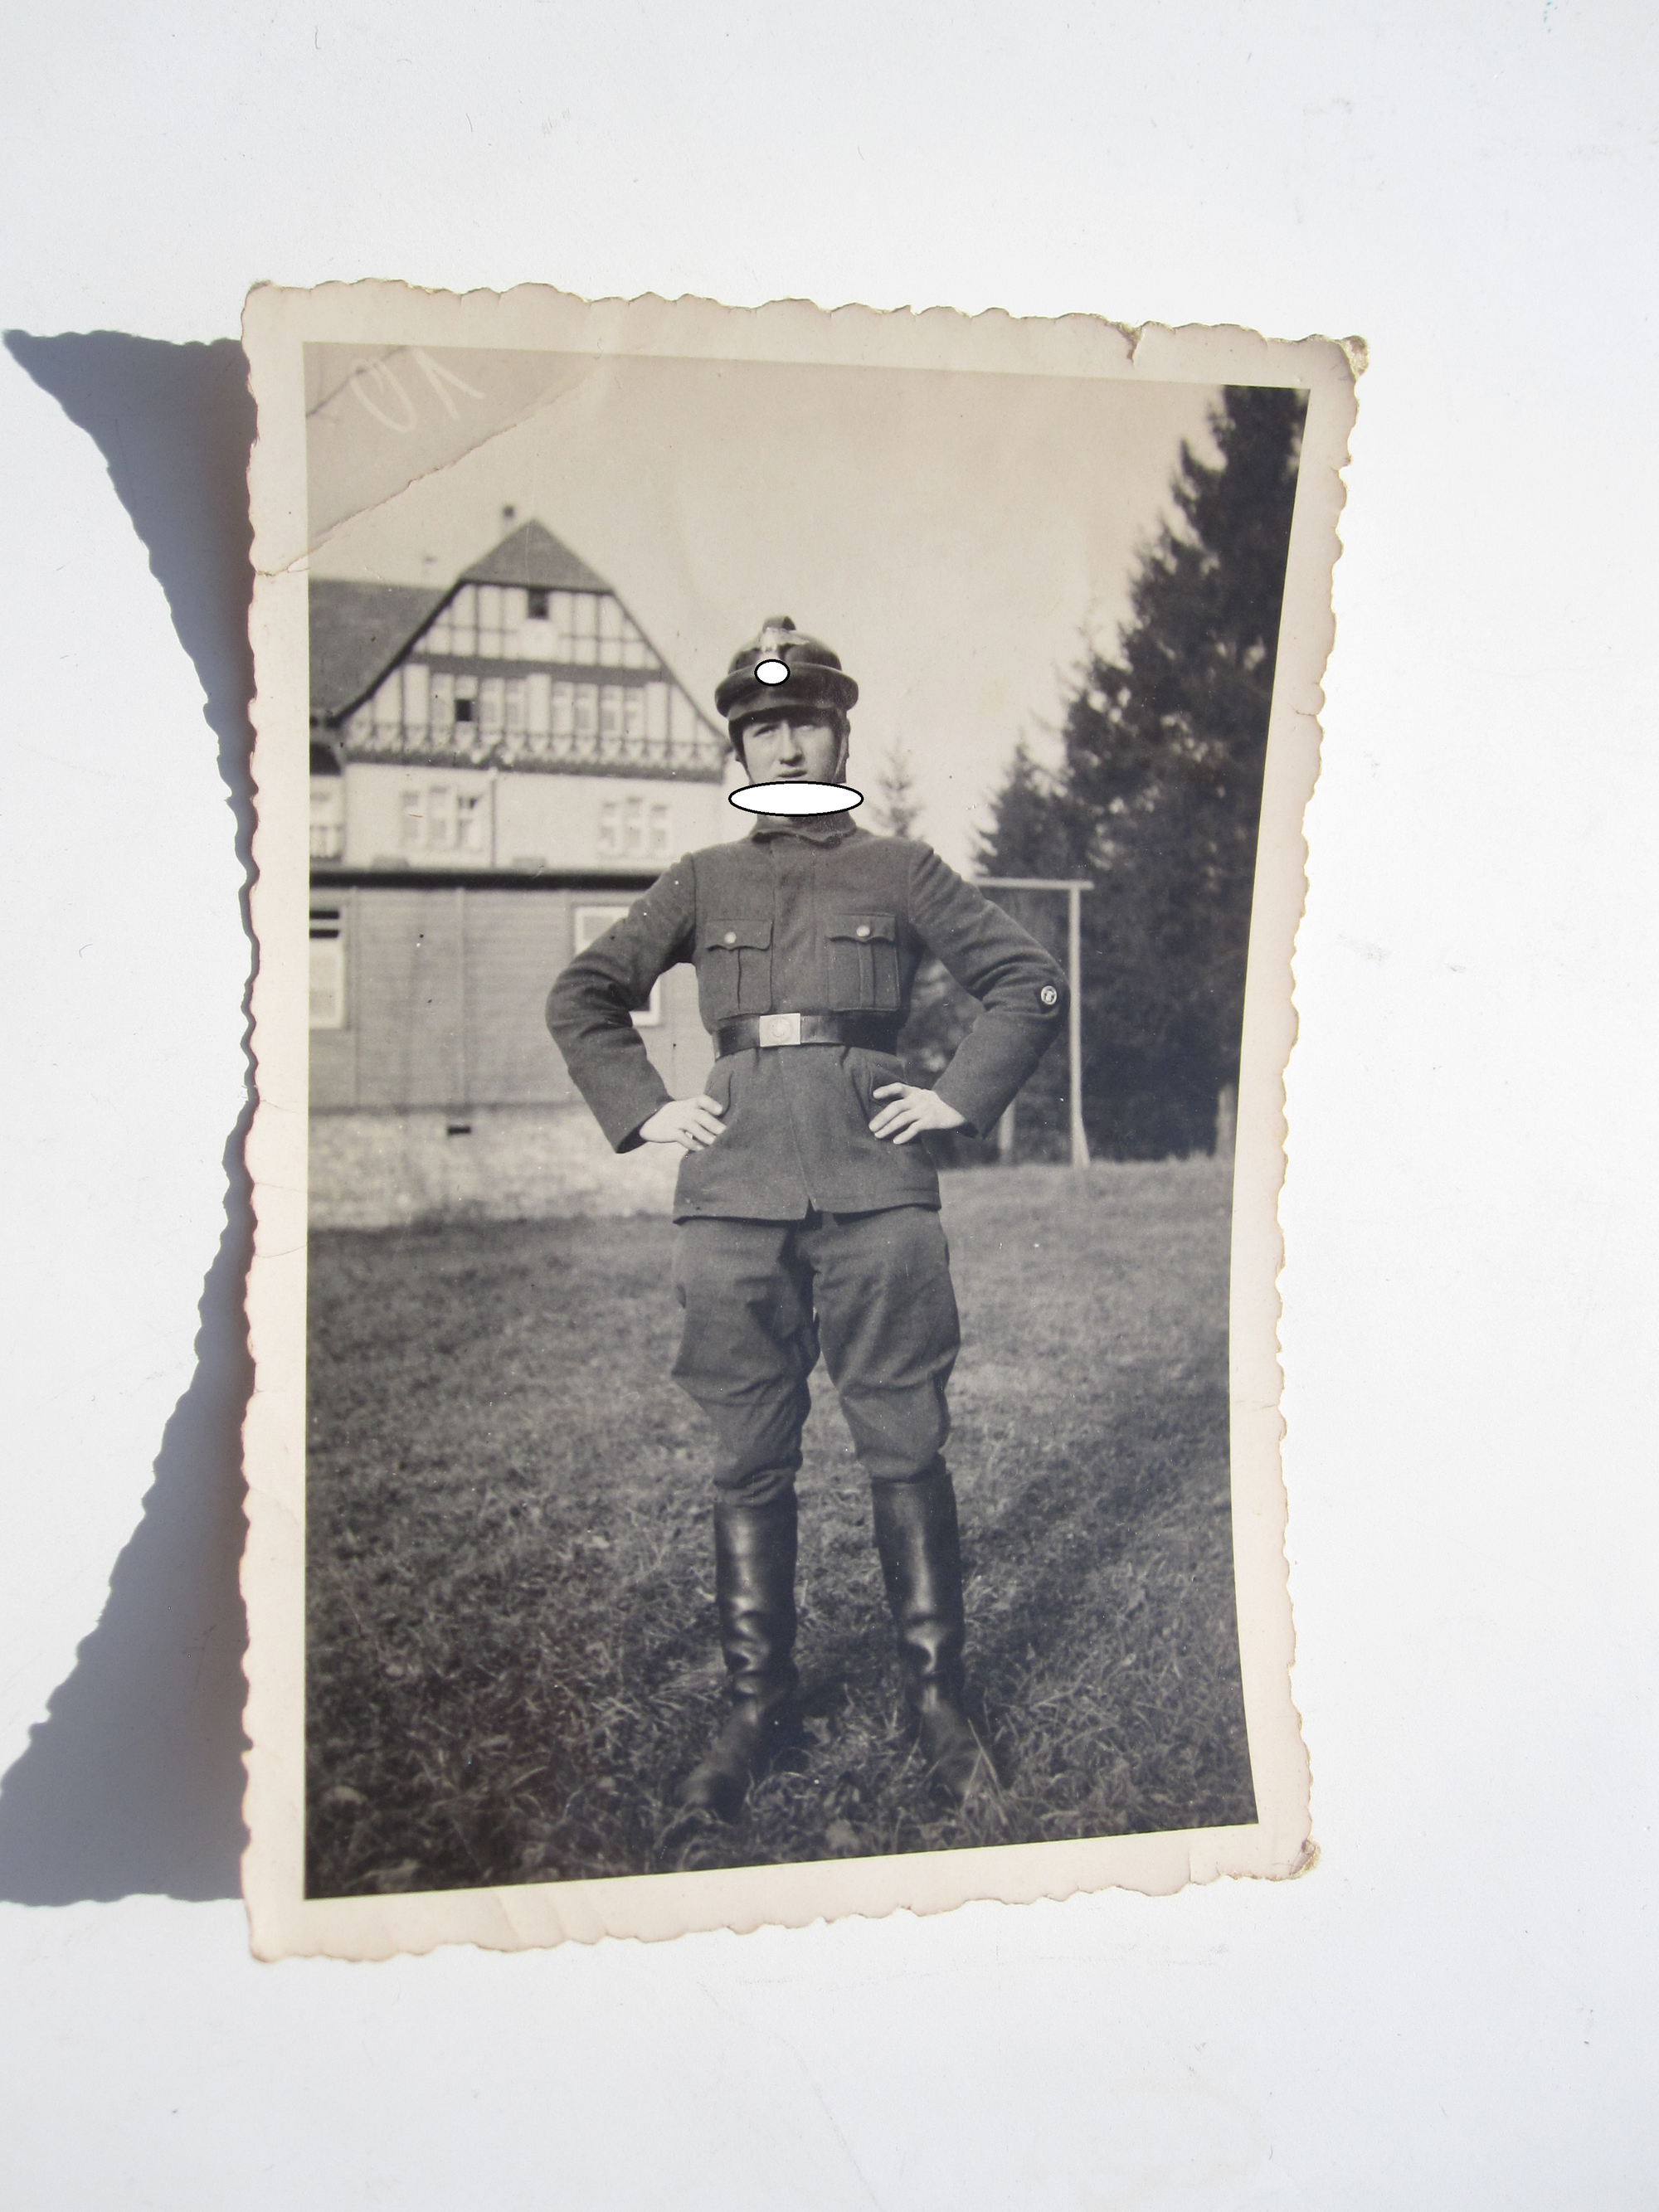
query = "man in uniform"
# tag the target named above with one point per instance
(808, 1215)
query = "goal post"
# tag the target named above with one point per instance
(1073, 888)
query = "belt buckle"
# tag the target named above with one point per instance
(779, 1029)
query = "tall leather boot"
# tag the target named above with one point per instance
(755, 1586)
(920, 1554)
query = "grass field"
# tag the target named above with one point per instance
(512, 1653)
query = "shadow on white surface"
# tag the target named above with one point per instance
(132, 1783)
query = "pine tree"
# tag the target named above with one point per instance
(897, 809)
(1160, 790)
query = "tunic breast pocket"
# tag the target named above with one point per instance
(863, 949)
(734, 968)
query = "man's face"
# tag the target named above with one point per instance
(794, 748)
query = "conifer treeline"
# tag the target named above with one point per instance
(1156, 801)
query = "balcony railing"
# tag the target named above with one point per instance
(470, 745)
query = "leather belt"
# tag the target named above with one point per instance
(767, 1032)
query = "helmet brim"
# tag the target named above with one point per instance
(741, 695)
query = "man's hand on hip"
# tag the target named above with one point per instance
(690, 1123)
(913, 1111)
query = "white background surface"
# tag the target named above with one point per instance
(1456, 2007)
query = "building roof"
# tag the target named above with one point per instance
(533, 556)
(357, 631)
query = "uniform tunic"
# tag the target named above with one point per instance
(798, 1228)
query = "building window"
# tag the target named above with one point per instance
(490, 611)
(535, 701)
(537, 609)
(515, 719)
(611, 712)
(630, 828)
(590, 924)
(389, 708)
(439, 819)
(466, 709)
(417, 700)
(327, 968)
(327, 807)
(587, 710)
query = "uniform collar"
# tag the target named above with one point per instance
(816, 828)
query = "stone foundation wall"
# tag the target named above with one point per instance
(383, 1170)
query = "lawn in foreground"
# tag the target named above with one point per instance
(512, 1648)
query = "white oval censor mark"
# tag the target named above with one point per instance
(771, 672)
(797, 798)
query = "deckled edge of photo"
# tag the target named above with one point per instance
(276, 324)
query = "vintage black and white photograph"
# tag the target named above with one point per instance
(769, 1267)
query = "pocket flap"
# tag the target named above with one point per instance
(863, 928)
(733, 934)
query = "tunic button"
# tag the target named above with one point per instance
(731, 937)
(1049, 995)
(863, 929)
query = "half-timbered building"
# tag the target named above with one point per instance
(497, 767)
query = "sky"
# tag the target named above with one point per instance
(955, 537)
